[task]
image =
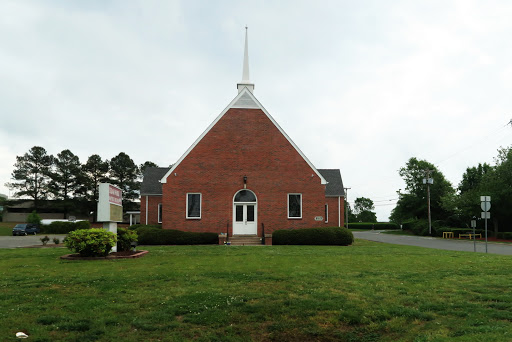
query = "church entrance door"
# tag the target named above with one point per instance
(245, 213)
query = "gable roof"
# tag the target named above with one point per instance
(244, 99)
(334, 187)
(151, 180)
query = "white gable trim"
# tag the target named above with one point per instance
(248, 101)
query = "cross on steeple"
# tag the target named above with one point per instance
(245, 74)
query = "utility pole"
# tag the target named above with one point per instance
(427, 180)
(346, 201)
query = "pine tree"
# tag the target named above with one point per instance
(31, 175)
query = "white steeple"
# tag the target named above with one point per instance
(245, 74)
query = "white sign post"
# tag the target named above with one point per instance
(486, 206)
(110, 208)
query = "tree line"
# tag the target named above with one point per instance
(74, 185)
(455, 206)
(363, 210)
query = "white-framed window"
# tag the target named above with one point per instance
(294, 206)
(193, 205)
(159, 212)
(326, 212)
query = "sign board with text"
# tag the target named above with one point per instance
(110, 203)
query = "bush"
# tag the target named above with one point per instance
(125, 238)
(63, 227)
(34, 218)
(45, 240)
(94, 242)
(157, 236)
(313, 236)
(138, 225)
(504, 235)
(376, 225)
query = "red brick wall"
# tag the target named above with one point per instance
(244, 142)
(153, 202)
(333, 211)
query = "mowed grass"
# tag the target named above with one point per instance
(6, 228)
(365, 292)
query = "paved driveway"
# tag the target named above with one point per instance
(24, 241)
(437, 243)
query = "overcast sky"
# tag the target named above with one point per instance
(358, 85)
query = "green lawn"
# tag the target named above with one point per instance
(6, 228)
(365, 292)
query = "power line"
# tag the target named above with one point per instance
(476, 142)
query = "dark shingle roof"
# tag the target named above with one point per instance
(335, 184)
(151, 180)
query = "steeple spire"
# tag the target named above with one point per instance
(245, 74)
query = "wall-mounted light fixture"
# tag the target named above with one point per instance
(245, 182)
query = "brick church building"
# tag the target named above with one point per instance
(242, 174)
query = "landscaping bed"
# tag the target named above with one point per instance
(111, 256)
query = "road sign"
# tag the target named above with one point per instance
(486, 215)
(485, 198)
(486, 206)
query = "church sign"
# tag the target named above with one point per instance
(110, 203)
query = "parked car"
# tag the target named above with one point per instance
(25, 229)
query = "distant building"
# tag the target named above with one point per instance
(244, 172)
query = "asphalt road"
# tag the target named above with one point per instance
(25, 241)
(437, 243)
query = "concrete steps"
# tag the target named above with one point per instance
(245, 240)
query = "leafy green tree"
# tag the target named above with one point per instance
(466, 203)
(31, 175)
(349, 212)
(34, 218)
(413, 203)
(498, 185)
(363, 210)
(473, 176)
(124, 173)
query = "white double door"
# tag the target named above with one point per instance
(244, 219)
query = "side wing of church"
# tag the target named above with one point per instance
(242, 174)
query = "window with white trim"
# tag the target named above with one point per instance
(294, 206)
(159, 212)
(326, 212)
(193, 205)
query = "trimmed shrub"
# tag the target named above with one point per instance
(158, 236)
(138, 225)
(63, 227)
(94, 242)
(313, 236)
(125, 238)
(376, 225)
